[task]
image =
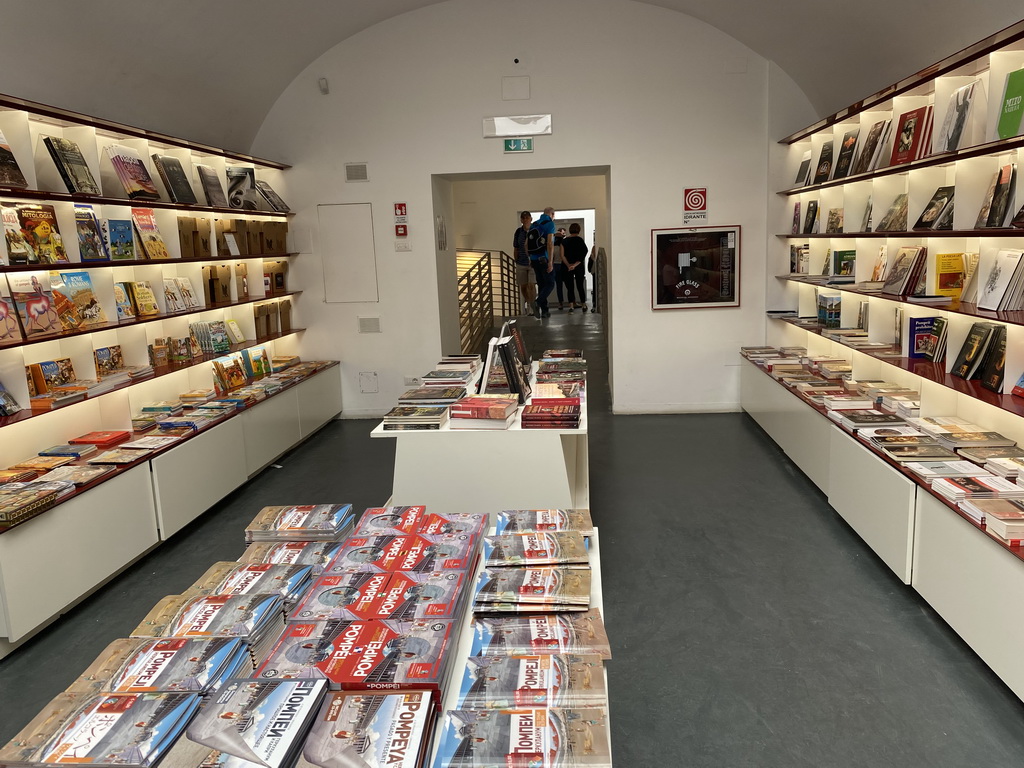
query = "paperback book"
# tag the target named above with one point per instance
(17, 249)
(526, 520)
(42, 234)
(212, 188)
(174, 179)
(34, 301)
(403, 596)
(242, 192)
(71, 165)
(10, 172)
(554, 680)
(535, 548)
(152, 242)
(578, 633)
(90, 240)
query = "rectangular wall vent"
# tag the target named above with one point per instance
(369, 325)
(356, 172)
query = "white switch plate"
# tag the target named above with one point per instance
(401, 245)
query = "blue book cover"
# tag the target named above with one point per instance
(921, 336)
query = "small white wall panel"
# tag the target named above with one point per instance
(319, 400)
(347, 252)
(271, 427)
(191, 478)
(875, 499)
(52, 560)
(974, 584)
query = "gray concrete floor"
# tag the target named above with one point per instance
(750, 626)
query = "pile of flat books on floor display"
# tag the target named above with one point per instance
(534, 686)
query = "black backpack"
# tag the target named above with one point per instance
(536, 242)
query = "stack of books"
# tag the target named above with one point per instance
(83, 727)
(67, 449)
(258, 619)
(977, 487)
(856, 419)
(955, 440)
(320, 522)
(316, 554)
(21, 501)
(432, 396)
(1002, 517)
(77, 475)
(447, 377)
(410, 417)
(932, 470)
(556, 680)
(103, 438)
(1009, 467)
(484, 411)
(532, 520)
(290, 581)
(554, 416)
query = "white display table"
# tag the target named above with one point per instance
(481, 470)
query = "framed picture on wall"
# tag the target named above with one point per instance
(695, 267)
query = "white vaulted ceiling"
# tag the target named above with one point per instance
(210, 70)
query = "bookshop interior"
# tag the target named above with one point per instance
(284, 441)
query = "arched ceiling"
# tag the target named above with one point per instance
(210, 70)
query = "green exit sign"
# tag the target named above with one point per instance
(518, 145)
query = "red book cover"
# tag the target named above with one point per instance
(102, 439)
(405, 553)
(401, 596)
(910, 135)
(363, 655)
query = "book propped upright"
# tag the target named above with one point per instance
(40, 230)
(149, 234)
(212, 188)
(972, 353)
(823, 170)
(273, 199)
(132, 173)
(1012, 107)
(870, 147)
(959, 124)
(993, 368)
(10, 173)
(10, 328)
(174, 179)
(90, 239)
(844, 162)
(71, 166)
(913, 136)
(905, 271)
(17, 248)
(242, 191)
(930, 215)
(803, 173)
(34, 300)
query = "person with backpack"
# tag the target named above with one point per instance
(524, 273)
(541, 244)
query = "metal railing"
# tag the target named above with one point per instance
(487, 290)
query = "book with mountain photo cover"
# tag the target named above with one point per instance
(535, 548)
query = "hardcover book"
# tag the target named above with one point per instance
(869, 148)
(844, 162)
(10, 328)
(132, 172)
(803, 173)
(973, 350)
(71, 165)
(1012, 108)
(952, 133)
(40, 230)
(90, 239)
(823, 169)
(272, 198)
(929, 216)
(119, 238)
(10, 173)
(995, 275)
(172, 297)
(32, 297)
(904, 270)
(143, 298)
(174, 178)
(834, 222)
(123, 300)
(994, 365)
(242, 192)
(947, 275)
(212, 187)
(17, 248)
(70, 318)
(895, 219)
(921, 336)
(149, 233)
(912, 135)
(78, 286)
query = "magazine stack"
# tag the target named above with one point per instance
(291, 582)
(320, 522)
(551, 416)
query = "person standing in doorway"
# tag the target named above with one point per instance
(574, 254)
(542, 244)
(524, 273)
(560, 272)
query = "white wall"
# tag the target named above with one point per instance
(664, 100)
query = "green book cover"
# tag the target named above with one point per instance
(1013, 105)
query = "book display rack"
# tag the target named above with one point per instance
(947, 557)
(448, 467)
(203, 236)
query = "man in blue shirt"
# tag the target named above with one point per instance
(542, 260)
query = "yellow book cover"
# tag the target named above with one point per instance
(948, 275)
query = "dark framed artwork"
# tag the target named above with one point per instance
(695, 267)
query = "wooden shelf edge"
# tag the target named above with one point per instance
(17, 193)
(76, 265)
